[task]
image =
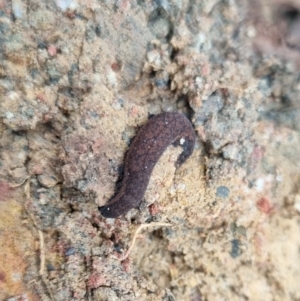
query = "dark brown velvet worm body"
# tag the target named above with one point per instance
(146, 149)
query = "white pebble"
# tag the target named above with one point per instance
(18, 8)
(259, 184)
(65, 4)
(9, 115)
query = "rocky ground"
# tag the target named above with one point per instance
(77, 80)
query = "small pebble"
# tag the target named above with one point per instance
(70, 251)
(18, 9)
(222, 192)
(235, 248)
(9, 115)
(47, 181)
(52, 51)
(297, 202)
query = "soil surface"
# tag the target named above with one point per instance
(78, 78)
